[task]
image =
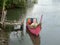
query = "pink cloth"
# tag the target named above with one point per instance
(36, 30)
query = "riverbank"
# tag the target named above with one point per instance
(4, 37)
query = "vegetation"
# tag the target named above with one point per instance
(15, 8)
(15, 3)
(1, 1)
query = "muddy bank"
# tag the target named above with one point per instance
(4, 37)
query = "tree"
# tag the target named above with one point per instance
(3, 12)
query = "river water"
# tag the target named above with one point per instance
(50, 9)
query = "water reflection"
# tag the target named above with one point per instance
(35, 39)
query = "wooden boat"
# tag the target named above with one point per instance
(35, 30)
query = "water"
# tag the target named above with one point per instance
(50, 24)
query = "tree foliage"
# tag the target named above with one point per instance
(1, 2)
(14, 3)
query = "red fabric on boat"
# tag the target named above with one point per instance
(35, 31)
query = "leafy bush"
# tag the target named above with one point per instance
(15, 3)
